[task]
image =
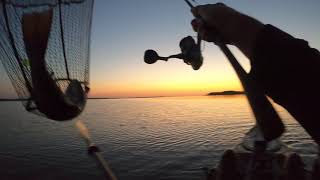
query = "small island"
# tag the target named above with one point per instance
(225, 93)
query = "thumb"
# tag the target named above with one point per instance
(207, 12)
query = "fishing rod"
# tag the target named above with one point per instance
(267, 119)
(95, 151)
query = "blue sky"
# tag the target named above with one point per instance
(123, 29)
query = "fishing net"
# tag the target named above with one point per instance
(67, 53)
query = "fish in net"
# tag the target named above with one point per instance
(44, 48)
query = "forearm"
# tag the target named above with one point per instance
(288, 70)
(284, 64)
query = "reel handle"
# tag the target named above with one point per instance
(151, 57)
(190, 53)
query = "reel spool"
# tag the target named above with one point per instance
(44, 48)
(190, 54)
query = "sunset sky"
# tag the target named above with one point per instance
(123, 29)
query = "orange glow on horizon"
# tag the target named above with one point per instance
(173, 88)
(172, 78)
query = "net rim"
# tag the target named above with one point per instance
(40, 4)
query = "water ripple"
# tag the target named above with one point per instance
(154, 138)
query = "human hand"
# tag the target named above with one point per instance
(219, 22)
(213, 19)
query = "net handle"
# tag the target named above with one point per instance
(21, 5)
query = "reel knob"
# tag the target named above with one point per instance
(151, 56)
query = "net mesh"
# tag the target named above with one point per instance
(67, 53)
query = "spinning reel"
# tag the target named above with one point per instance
(190, 53)
(267, 119)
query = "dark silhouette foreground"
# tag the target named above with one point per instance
(285, 67)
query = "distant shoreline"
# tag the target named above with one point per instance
(225, 93)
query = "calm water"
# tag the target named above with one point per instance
(152, 138)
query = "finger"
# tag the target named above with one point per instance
(203, 33)
(204, 36)
(205, 11)
(196, 23)
(199, 11)
(194, 11)
(198, 26)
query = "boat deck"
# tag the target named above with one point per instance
(242, 164)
